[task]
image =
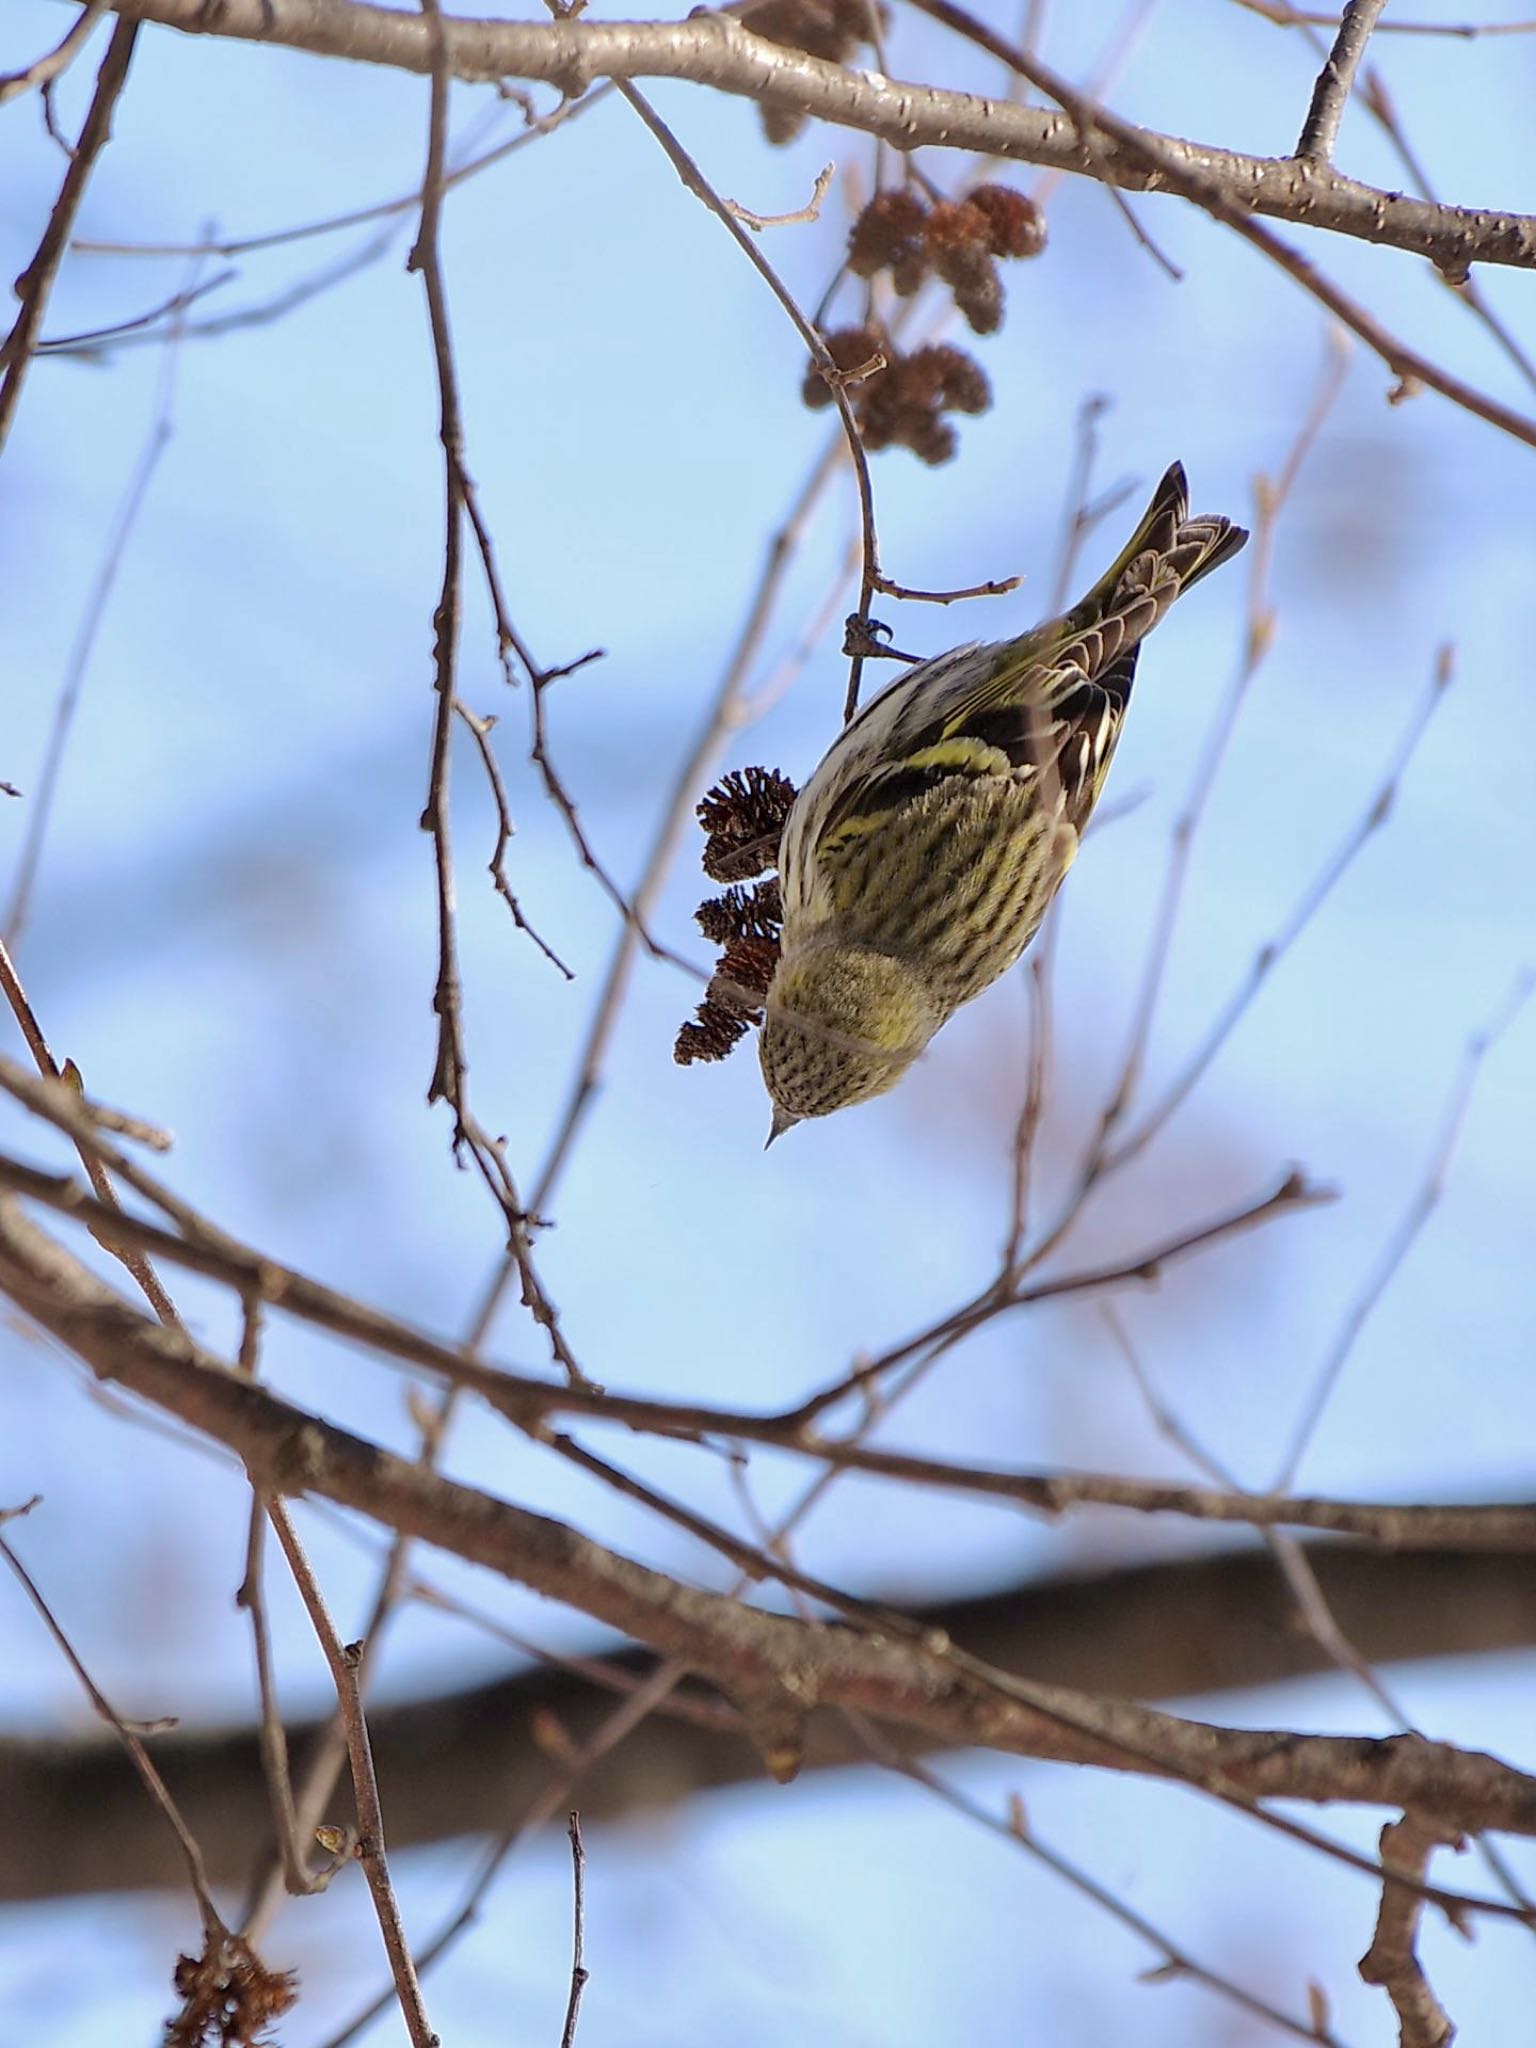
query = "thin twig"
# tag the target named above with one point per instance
(998, 586)
(1392, 1959)
(328, 1754)
(579, 1971)
(1412, 1222)
(1270, 954)
(696, 182)
(450, 1074)
(529, 1402)
(1330, 95)
(343, 1661)
(138, 1755)
(89, 341)
(363, 216)
(1080, 516)
(36, 281)
(1270, 496)
(481, 730)
(725, 712)
(155, 444)
(1162, 165)
(144, 330)
(271, 1736)
(42, 71)
(1379, 104)
(802, 214)
(1176, 1963)
(1284, 15)
(1294, 1192)
(84, 1132)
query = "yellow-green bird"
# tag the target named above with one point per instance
(918, 861)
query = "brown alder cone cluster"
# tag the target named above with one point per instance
(902, 402)
(743, 818)
(231, 2000)
(959, 240)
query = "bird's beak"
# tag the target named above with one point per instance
(782, 1121)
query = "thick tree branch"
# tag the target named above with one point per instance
(775, 1670)
(470, 1761)
(715, 50)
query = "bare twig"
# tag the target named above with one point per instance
(695, 181)
(1164, 168)
(89, 341)
(1405, 1236)
(362, 216)
(1079, 518)
(146, 330)
(1392, 1958)
(343, 1661)
(1175, 1961)
(481, 730)
(802, 214)
(727, 710)
(297, 1875)
(36, 281)
(155, 444)
(1295, 1191)
(84, 1131)
(139, 1756)
(998, 586)
(449, 1071)
(1469, 292)
(1284, 15)
(1270, 496)
(42, 71)
(450, 1074)
(1320, 130)
(528, 1402)
(1270, 954)
(579, 1971)
(328, 1754)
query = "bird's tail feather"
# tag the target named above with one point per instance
(1168, 547)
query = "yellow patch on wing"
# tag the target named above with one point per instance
(878, 800)
(965, 756)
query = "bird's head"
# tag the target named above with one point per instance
(840, 1024)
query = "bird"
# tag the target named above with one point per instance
(918, 861)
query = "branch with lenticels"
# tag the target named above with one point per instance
(716, 50)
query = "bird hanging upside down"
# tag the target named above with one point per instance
(918, 861)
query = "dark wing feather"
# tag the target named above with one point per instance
(1050, 703)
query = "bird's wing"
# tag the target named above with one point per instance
(1047, 705)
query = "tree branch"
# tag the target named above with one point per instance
(35, 284)
(715, 50)
(775, 1670)
(1392, 1959)
(1330, 95)
(1194, 1626)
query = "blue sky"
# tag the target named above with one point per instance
(233, 934)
